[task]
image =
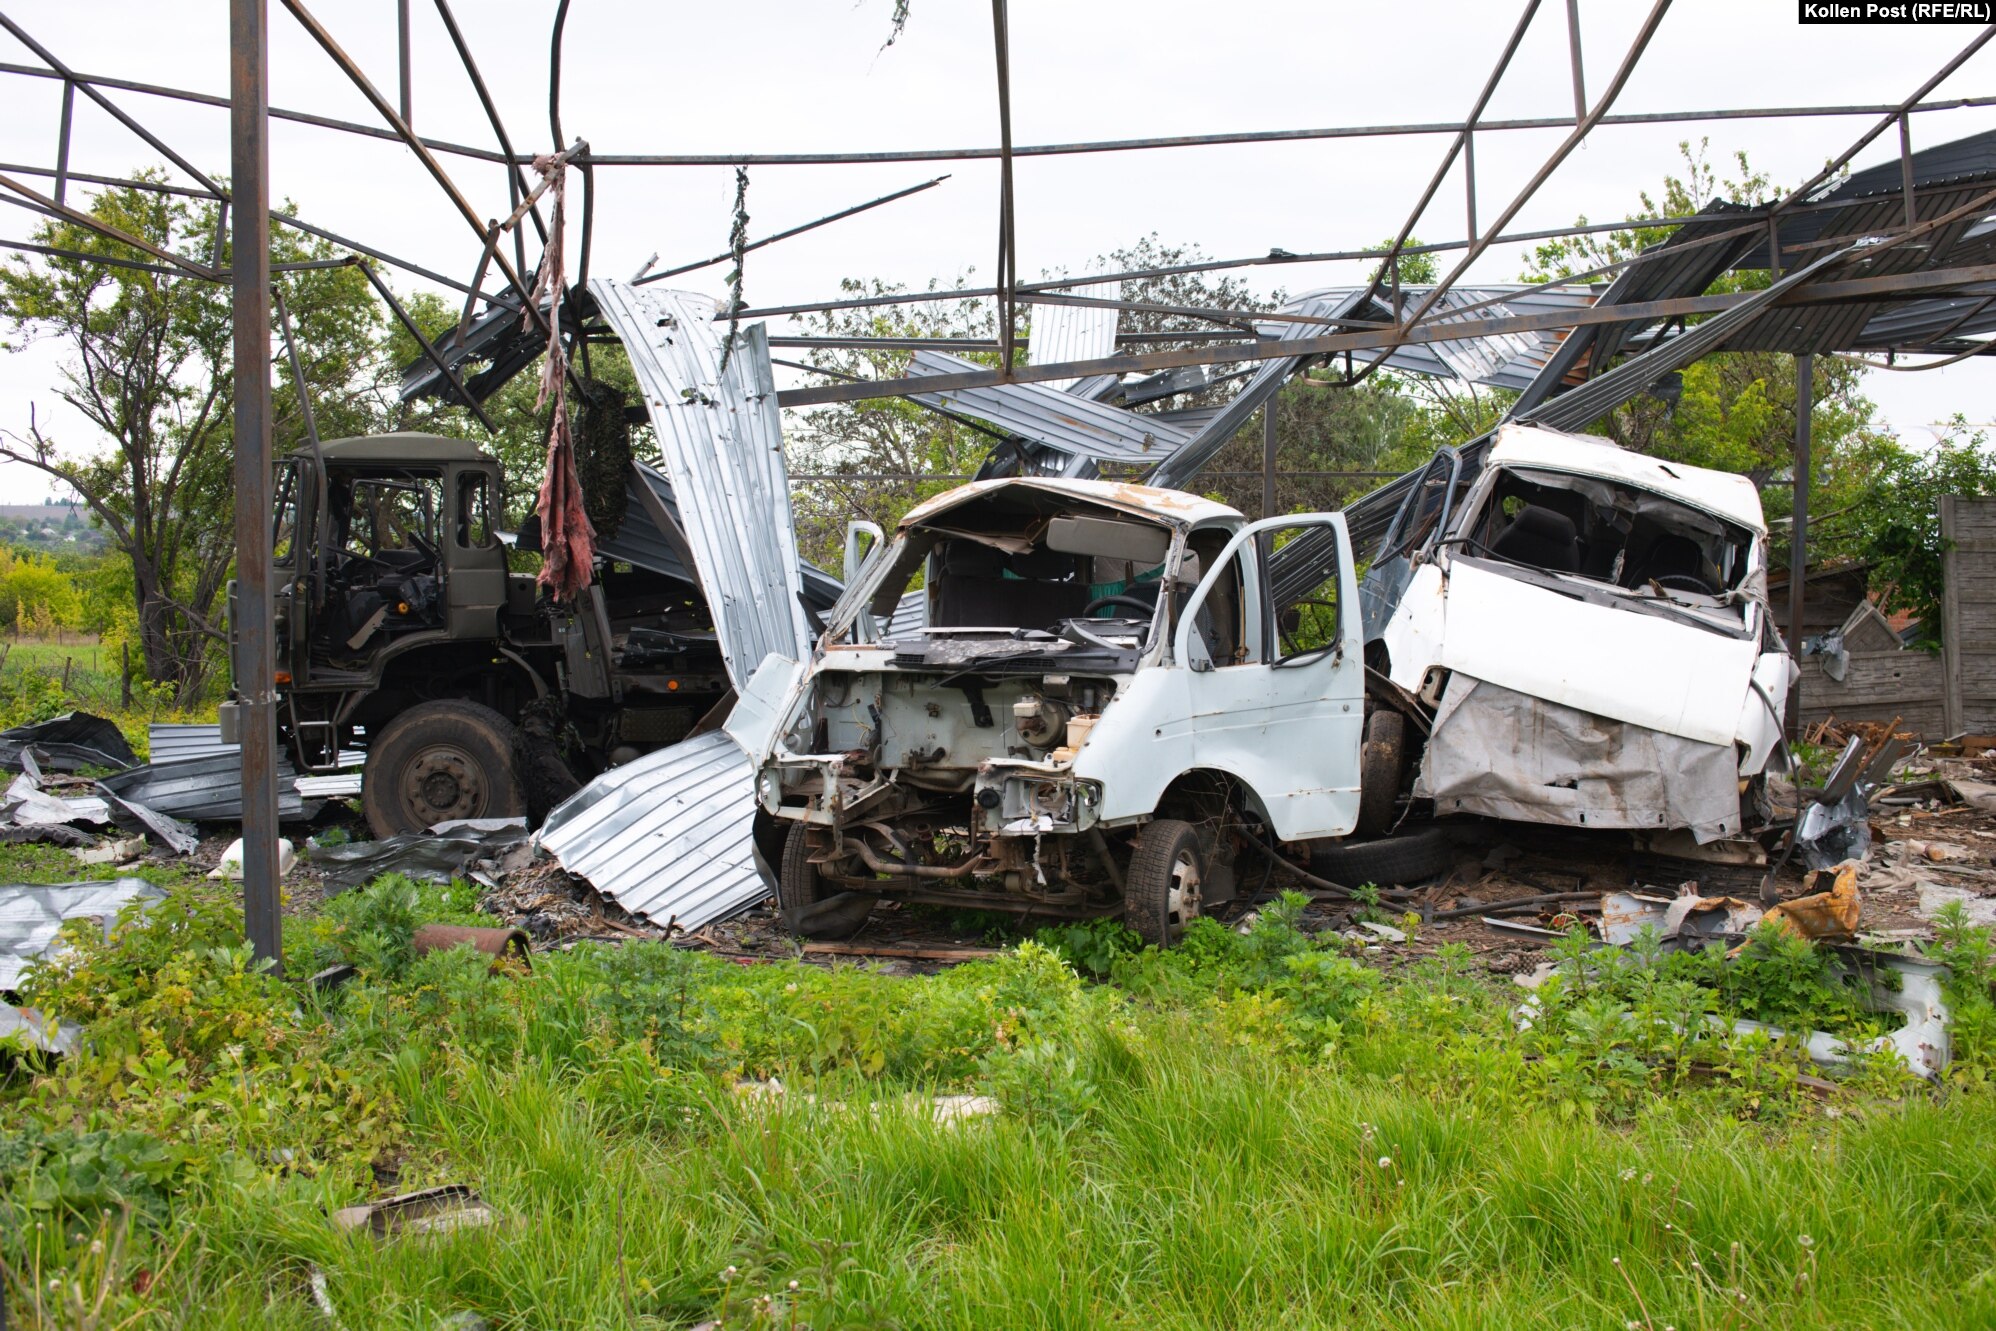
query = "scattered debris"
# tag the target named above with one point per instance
(1625, 914)
(508, 948)
(231, 865)
(1830, 913)
(32, 916)
(203, 789)
(114, 850)
(429, 1211)
(437, 857)
(69, 743)
(29, 1026)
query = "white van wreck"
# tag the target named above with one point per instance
(1110, 698)
(1587, 629)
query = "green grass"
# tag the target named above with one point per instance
(1251, 1131)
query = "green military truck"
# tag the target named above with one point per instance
(403, 629)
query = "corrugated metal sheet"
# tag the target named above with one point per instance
(1503, 360)
(722, 443)
(911, 613)
(667, 836)
(31, 916)
(202, 789)
(1062, 333)
(167, 743)
(1073, 426)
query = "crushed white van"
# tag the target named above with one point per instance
(1588, 634)
(1107, 690)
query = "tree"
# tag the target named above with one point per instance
(1891, 519)
(1733, 410)
(150, 366)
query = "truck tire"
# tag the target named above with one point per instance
(1387, 862)
(811, 909)
(1161, 892)
(440, 761)
(1380, 766)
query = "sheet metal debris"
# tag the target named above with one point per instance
(32, 916)
(429, 1211)
(721, 440)
(30, 1028)
(69, 743)
(170, 742)
(432, 856)
(667, 836)
(204, 789)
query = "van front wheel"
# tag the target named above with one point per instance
(1161, 893)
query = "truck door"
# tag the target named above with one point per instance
(475, 586)
(1288, 716)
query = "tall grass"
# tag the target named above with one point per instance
(1253, 1131)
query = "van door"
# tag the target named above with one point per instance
(1287, 718)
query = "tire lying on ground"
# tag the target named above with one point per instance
(1389, 861)
(440, 761)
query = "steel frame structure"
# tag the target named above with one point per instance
(243, 208)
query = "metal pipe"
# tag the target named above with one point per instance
(117, 113)
(80, 257)
(1024, 150)
(1559, 155)
(1008, 258)
(1573, 56)
(92, 222)
(1842, 159)
(1518, 31)
(843, 213)
(402, 51)
(897, 870)
(516, 180)
(1371, 339)
(367, 89)
(253, 616)
(62, 141)
(1906, 169)
(430, 351)
(1798, 550)
(1268, 423)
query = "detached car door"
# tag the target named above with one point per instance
(1288, 718)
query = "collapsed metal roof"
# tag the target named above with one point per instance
(721, 439)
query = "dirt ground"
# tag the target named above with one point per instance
(1927, 848)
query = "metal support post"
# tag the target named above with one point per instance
(402, 51)
(62, 142)
(1268, 455)
(252, 614)
(1573, 49)
(1798, 554)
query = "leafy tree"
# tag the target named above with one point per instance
(149, 366)
(1892, 518)
(1735, 410)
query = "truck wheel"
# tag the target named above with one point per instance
(1379, 768)
(1161, 891)
(439, 761)
(1389, 861)
(811, 908)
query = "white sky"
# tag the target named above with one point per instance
(809, 75)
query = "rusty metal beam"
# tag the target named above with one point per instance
(1867, 288)
(253, 616)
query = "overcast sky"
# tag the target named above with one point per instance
(810, 75)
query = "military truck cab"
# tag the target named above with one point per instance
(403, 629)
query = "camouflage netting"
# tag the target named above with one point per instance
(603, 454)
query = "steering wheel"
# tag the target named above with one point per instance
(1137, 602)
(1689, 582)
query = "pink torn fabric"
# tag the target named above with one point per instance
(568, 542)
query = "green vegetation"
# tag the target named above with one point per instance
(1255, 1129)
